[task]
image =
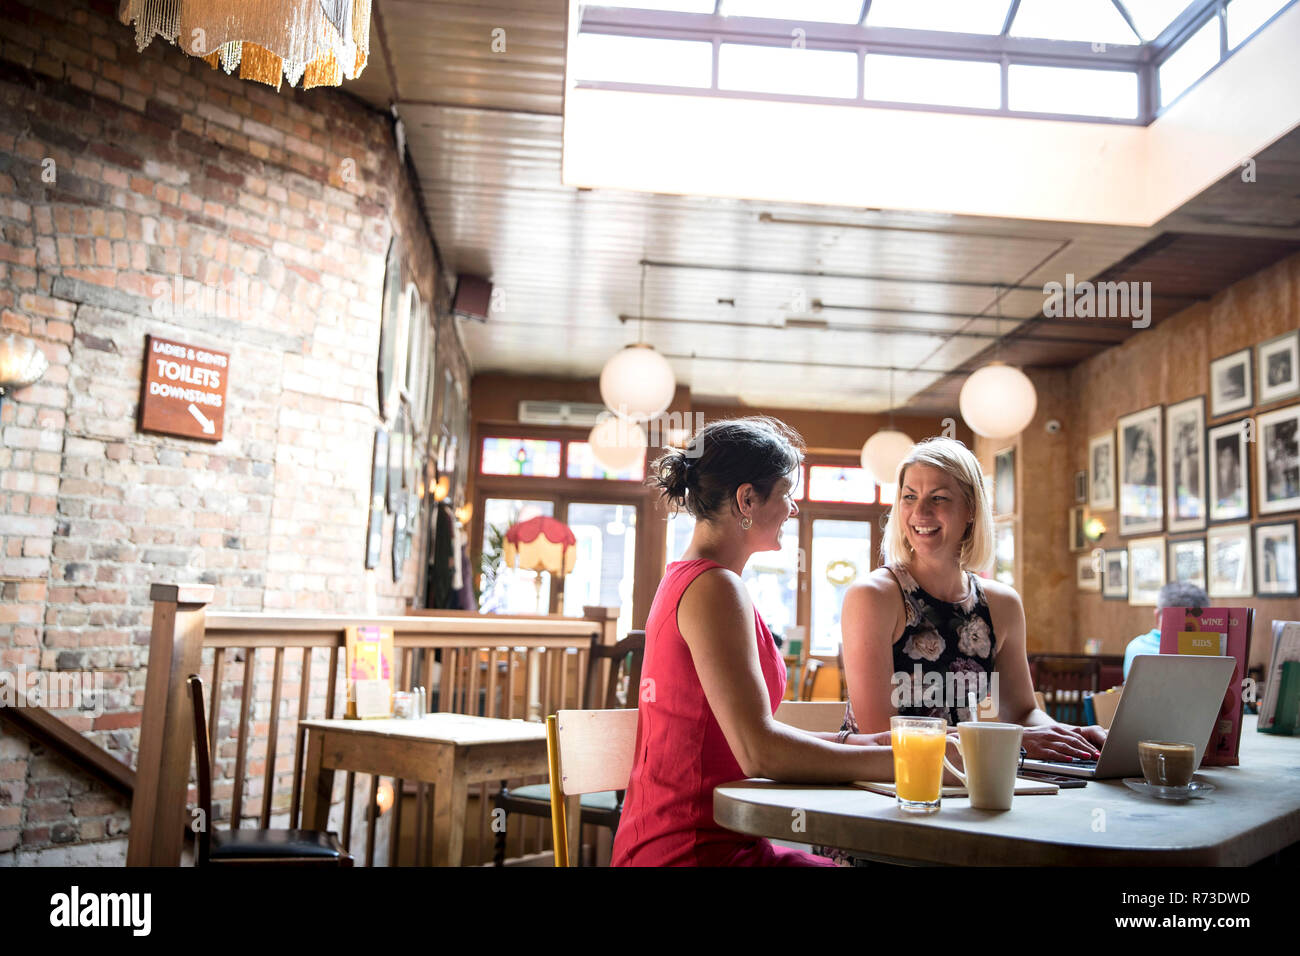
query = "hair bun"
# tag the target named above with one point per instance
(673, 476)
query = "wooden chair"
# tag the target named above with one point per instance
(602, 809)
(590, 751)
(248, 847)
(1063, 682)
(810, 670)
(817, 716)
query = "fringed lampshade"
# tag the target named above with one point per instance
(319, 42)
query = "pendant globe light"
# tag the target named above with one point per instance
(638, 383)
(885, 450)
(617, 443)
(998, 401)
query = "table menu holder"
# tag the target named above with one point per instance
(1215, 632)
(369, 670)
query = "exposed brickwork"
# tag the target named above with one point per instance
(119, 172)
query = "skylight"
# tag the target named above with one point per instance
(914, 79)
(820, 11)
(646, 60)
(1192, 61)
(1054, 89)
(786, 71)
(1089, 21)
(953, 16)
(1151, 17)
(1247, 16)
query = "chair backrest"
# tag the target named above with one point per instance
(596, 749)
(809, 677)
(827, 684)
(629, 653)
(203, 770)
(814, 715)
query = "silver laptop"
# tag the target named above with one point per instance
(1173, 697)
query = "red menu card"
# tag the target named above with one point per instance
(1216, 631)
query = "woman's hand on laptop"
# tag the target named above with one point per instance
(1058, 742)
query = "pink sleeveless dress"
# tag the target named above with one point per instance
(681, 753)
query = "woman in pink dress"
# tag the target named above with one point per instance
(712, 676)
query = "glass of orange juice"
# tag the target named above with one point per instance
(918, 744)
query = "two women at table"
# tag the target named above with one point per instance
(712, 676)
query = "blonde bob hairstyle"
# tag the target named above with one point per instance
(955, 460)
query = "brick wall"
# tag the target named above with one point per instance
(120, 171)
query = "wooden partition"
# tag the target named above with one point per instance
(493, 666)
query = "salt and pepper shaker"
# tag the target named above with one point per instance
(420, 702)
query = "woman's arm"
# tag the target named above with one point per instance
(870, 620)
(717, 622)
(1044, 738)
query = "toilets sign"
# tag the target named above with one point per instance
(183, 391)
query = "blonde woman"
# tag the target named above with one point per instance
(922, 630)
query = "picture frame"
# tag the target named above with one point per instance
(378, 490)
(1231, 383)
(1187, 561)
(1086, 577)
(1276, 559)
(1078, 517)
(1229, 570)
(1081, 487)
(1278, 361)
(1004, 552)
(390, 330)
(1229, 478)
(1185, 462)
(1141, 496)
(1146, 570)
(1004, 482)
(1114, 578)
(1101, 471)
(1277, 465)
(396, 458)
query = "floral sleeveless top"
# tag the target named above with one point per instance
(945, 650)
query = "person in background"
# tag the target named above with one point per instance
(1173, 594)
(712, 676)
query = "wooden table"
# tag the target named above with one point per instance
(1254, 812)
(450, 751)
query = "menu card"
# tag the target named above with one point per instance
(369, 671)
(1279, 694)
(1217, 632)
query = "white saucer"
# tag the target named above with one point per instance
(1196, 788)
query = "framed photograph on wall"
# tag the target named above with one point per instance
(1081, 487)
(1278, 361)
(1277, 449)
(1231, 385)
(1101, 472)
(391, 330)
(1146, 570)
(1086, 575)
(1114, 579)
(1229, 459)
(1185, 457)
(378, 491)
(1227, 554)
(1141, 499)
(1004, 552)
(1275, 559)
(1187, 561)
(1078, 515)
(1004, 482)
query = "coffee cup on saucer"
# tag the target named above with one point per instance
(1167, 763)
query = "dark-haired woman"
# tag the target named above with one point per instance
(712, 676)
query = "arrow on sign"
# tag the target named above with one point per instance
(208, 426)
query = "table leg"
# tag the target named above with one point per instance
(449, 796)
(318, 786)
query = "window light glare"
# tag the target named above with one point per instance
(621, 59)
(913, 79)
(1055, 89)
(1086, 21)
(813, 11)
(783, 70)
(1247, 16)
(1152, 16)
(668, 6)
(1191, 62)
(951, 16)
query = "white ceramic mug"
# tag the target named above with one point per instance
(991, 754)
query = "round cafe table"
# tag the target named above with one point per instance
(1253, 813)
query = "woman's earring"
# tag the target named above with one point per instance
(746, 523)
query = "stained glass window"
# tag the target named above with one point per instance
(583, 464)
(534, 457)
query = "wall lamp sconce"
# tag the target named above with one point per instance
(21, 363)
(1093, 529)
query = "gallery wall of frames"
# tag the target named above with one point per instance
(1187, 462)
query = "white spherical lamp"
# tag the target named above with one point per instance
(637, 383)
(883, 453)
(617, 443)
(998, 401)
